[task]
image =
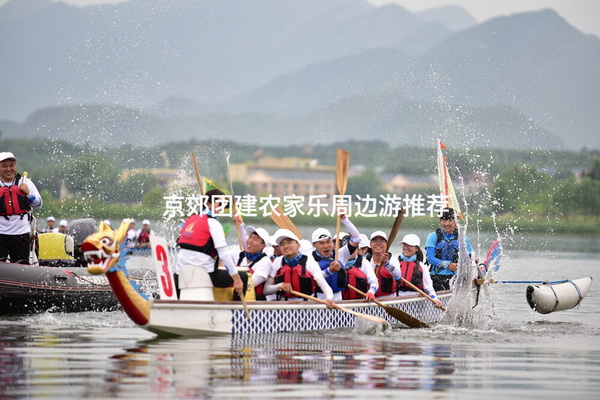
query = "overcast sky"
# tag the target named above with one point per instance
(583, 14)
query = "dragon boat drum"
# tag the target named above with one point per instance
(547, 298)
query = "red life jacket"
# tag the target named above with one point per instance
(144, 237)
(300, 279)
(412, 272)
(387, 283)
(13, 201)
(358, 279)
(195, 235)
(258, 290)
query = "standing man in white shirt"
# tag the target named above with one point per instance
(19, 197)
(203, 245)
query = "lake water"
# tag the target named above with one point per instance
(518, 354)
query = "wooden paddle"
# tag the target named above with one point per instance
(394, 232)
(371, 318)
(400, 315)
(283, 221)
(422, 293)
(237, 227)
(197, 171)
(233, 206)
(395, 228)
(341, 181)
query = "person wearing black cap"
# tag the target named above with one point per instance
(442, 251)
(18, 196)
(203, 245)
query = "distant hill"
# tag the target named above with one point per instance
(396, 120)
(142, 51)
(297, 70)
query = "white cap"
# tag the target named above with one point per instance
(320, 234)
(131, 220)
(7, 155)
(306, 247)
(50, 219)
(106, 222)
(411, 239)
(63, 222)
(282, 234)
(379, 233)
(342, 235)
(146, 222)
(364, 241)
(262, 233)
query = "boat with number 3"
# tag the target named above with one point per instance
(187, 316)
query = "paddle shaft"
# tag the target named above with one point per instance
(341, 180)
(393, 232)
(481, 281)
(371, 318)
(422, 293)
(197, 171)
(283, 221)
(400, 315)
(233, 207)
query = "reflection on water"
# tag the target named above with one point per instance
(520, 354)
(110, 363)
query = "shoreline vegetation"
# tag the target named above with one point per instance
(527, 190)
(578, 225)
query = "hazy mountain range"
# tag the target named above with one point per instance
(282, 71)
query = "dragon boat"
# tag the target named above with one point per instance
(188, 317)
(57, 281)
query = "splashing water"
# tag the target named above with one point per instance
(460, 311)
(364, 327)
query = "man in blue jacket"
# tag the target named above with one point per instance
(442, 251)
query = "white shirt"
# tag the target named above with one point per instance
(131, 238)
(261, 271)
(15, 225)
(199, 259)
(367, 268)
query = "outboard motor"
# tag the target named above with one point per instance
(79, 229)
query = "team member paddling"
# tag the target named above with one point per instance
(413, 270)
(295, 271)
(256, 260)
(203, 244)
(360, 273)
(387, 270)
(18, 197)
(334, 271)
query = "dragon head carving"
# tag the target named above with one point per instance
(101, 250)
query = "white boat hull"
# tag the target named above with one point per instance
(547, 298)
(197, 318)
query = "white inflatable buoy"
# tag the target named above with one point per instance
(547, 298)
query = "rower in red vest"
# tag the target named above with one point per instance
(387, 269)
(360, 273)
(413, 269)
(295, 271)
(142, 236)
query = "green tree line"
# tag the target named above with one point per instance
(524, 184)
